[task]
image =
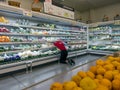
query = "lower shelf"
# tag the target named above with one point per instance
(31, 63)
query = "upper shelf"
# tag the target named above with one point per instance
(43, 28)
(18, 12)
(101, 23)
(14, 43)
(15, 51)
(113, 22)
(100, 34)
(37, 35)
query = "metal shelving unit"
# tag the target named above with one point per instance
(108, 39)
(35, 35)
(79, 36)
(39, 28)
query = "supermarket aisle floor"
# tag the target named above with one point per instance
(59, 78)
(18, 81)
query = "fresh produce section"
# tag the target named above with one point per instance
(115, 35)
(104, 37)
(23, 40)
(26, 55)
(3, 19)
(102, 76)
(26, 41)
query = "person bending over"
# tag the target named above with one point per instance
(64, 53)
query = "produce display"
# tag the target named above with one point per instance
(105, 37)
(4, 39)
(3, 20)
(30, 41)
(25, 55)
(5, 48)
(105, 75)
(4, 30)
(116, 35)
(31, 33)
(28, 37)
(38, 31)
(30, 52)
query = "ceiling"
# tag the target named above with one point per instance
(84, 5)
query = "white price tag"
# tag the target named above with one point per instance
(27, 13)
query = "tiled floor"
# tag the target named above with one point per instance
(18, 81)
(59, 78)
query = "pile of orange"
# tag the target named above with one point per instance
(4, 39)
(105, 75)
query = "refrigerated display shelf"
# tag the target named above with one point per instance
(22, 62)
(100, 40)
(35, 42)
(67, 30)
(115, 34)
(15, 51)
(110, 28)
(77, 43)
(116, 40)
(19, 49)
(116, 29)
(109, 49)
(41, 28)
(104, 48)
(36, 35)
(38, 61)
(36, 58)
(14, 43)
(42, 41)
(116, 44)
(71, 39)
(101, 52)
(99, 34)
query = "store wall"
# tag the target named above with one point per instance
(83, 17)
(96, 15)
(77, 15)
(110, 11)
